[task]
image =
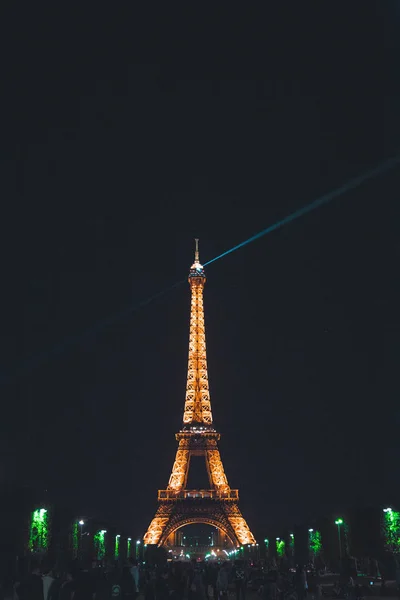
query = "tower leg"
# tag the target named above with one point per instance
(158, 524)
(177, 481)
(216, 470)
(238, 524)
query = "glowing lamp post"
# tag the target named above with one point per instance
(266, 544)
(116, 546)
(128, 548)
(339, 523)
(81, 523)
(137, 549)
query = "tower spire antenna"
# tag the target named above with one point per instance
(196, 252)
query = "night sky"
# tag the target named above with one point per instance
(126, 134)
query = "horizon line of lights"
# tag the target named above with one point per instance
(40, 517)
(39, 534)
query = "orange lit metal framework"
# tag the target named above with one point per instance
(178, 506)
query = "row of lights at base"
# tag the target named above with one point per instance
(337, 522)
(82, 522)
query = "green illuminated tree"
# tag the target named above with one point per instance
(75, 539)
(39, 531)
(99, 543)
(314, 542)
(280, 547)
(391, 530)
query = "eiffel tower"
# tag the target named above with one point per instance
(177, 505)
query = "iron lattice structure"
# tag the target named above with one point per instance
(178, 506)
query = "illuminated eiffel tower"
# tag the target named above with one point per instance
(177, 505)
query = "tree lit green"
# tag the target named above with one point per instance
(39, 531)
(75, 539)
(99, 543)
(280, 547)
(116, 547)
(391, 529)
(314, 542)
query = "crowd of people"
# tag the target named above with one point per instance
(94, 581)
(175, 580)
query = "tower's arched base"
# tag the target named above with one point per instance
(211, 536)
(223, 514)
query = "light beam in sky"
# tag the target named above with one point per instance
(353, 183)
(39, 359)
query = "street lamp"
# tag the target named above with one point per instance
(81, 523)
(116, 546)
(339, 522)
(137, 549)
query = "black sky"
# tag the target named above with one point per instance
(124, 136)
